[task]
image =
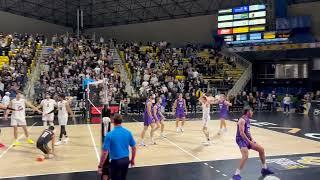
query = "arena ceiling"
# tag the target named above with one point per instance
(101, 13)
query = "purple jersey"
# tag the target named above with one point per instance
(180, 109)
(223, 107)
(242, 143)
(180, 105)
(147, 119)
(246, 128)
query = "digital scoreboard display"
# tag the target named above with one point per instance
(242, 16)
(245, 24)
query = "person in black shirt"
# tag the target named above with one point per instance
(193, 103)
(42, 143)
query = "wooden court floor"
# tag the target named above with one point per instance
(83, 149)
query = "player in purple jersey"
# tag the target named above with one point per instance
(223, 113)
(180, 109)
(158, 116)
(148, 119)
(246, 142)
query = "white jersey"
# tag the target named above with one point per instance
(48, 106)
(62, 112)
(20, 106)
(205, 114)
(206, 111)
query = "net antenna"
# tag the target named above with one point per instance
(98, 93)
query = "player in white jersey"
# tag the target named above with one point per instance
(64, 110)
(205, 103)
(18, 117)
(47, 106)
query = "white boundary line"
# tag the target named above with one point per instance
(5, 152)
(187, 152)
(94, 143)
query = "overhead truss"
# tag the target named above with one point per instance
(101, 13)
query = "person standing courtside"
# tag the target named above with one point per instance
(117, 143)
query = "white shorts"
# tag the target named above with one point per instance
(48, 117)
(63, 121)
(205, 120)
(18, 122)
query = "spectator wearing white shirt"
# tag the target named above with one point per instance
(286, 104)
(1, 88)
(6, 99)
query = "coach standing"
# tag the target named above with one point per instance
(116, 144)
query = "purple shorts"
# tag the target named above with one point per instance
(223, 116)
(147, 120)
(180, 115)
(159, 118)
(243, 143)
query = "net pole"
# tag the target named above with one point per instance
(105, 120)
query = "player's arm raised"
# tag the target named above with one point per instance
(241, 128)
(33, 107)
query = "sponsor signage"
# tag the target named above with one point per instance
(257, 28)
(257, 7)
(228, 38)
(225, 11)
(257, 14)
(225, 25)
(240, 23)
(240, 9)
(269, 35)
(242, 37)
(240, 30)
(225, 18)
(255, 36)
(240, 16)
(224, 31)
(257, 21)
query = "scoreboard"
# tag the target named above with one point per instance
(244, 24)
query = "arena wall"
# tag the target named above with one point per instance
(14, 23)
(177, 31)
(194, 29)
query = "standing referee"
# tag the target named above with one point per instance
(116, 144)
